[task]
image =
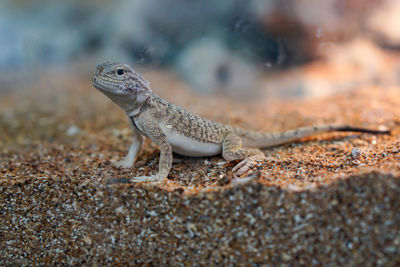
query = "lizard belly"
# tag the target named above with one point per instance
(189, 147)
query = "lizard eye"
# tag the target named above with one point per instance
(120, 72)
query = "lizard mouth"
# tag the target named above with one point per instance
(106, 85)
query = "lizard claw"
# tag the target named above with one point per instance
(247, 164)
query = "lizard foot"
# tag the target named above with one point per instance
(155, 179)
(247, 164)
(125, 163)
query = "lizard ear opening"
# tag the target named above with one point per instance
(142, 95)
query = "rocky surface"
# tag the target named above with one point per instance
(327, 200)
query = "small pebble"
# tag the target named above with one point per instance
(72, 130)
(356, 153)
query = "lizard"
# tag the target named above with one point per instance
(177, 130)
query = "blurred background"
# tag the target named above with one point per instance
(290, 48)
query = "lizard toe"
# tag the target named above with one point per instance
(152, 178)
(247, 164)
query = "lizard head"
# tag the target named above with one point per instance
(123, 85)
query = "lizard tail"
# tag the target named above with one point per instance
(256, 139)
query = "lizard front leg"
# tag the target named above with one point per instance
(154, 132)
(232, 149)
(137, 143)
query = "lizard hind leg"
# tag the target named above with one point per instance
(232, 149)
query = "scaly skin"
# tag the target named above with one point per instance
(174, 129)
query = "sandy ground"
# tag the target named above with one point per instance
(59, 141)
(64, 121)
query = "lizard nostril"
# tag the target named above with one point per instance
(99, 69)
